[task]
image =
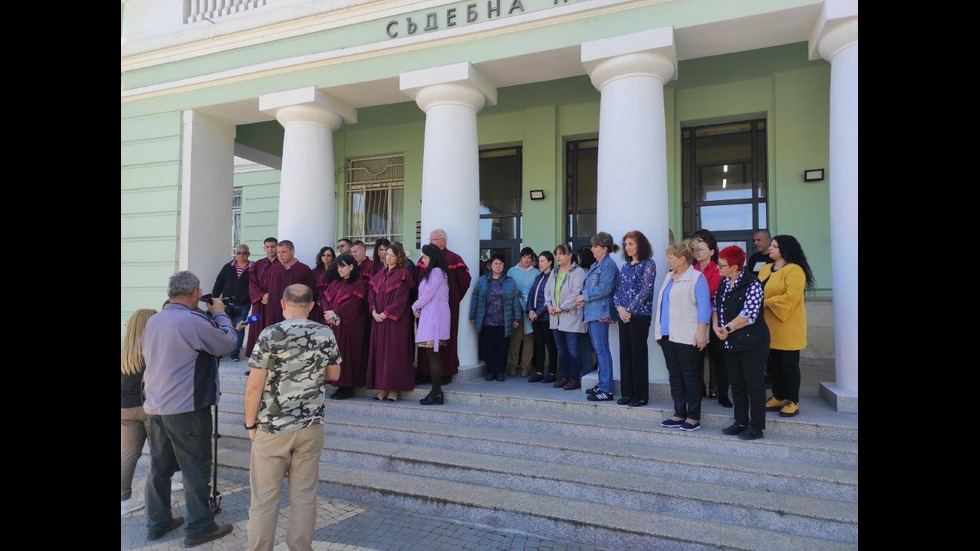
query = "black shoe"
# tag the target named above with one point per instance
(248, 372)
(500, 376)
(624, 401)
(537, 377)
(637, 403)
(750, 433)
(599, 396)
(548, 378)
(490, 377)
(592, 390)
(342, 393)
(236, 359)
(429, 400)
(157, 534)
(218, 531)
(725, 402)
(447, 380)
(733, 430)
(712, 394)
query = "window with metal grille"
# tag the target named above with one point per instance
(375, 198)
(236, 218)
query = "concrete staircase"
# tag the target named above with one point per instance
(545, 461)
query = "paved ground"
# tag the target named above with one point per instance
(340, 526)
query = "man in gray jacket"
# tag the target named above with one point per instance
(181, 346)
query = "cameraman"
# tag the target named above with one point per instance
(232, 286)
(181, 346)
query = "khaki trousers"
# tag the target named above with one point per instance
(296, 452)
(524, 346)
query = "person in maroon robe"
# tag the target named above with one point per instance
(322, 260)
(344, 303)
(364, 264)
(380, 248)
(389, 368)
(283, 274)
(258, 290)
(459, 283)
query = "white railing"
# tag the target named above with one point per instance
(200, 10)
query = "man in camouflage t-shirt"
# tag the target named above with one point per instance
(290, 366)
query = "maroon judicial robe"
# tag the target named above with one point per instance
(258, 285)
(349, 302)
(389, 365)
(320, 277)
(366, 269)
(281, 277)
(459, 283)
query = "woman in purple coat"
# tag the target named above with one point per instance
(432, 310)
(389, 366)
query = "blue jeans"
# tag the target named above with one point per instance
(182, 439)
(599, 335)
(568, 358)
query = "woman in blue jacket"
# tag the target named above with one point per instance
(537, 311)
(597, 298)
(495, 311)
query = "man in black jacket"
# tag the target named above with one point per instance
(232, 286)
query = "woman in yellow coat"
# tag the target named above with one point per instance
(784, 282)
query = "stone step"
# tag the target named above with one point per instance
(773, 446)
(605, 526)
(747, 472)
(800, 515)
(519, 398)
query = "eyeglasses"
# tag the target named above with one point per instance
(242, 254)
(722, 266)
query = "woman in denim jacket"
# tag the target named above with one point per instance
(597, 298)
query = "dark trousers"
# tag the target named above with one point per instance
(784, 372)
(182, 439)
(633, 358)
(717, 374)
(747, 369)
(543, 337)
(493, 346)
(683, 366)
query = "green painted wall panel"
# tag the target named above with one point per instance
(138, 202)
(540, 222)
(150, 274)
(261, 204)
(165, 125)
(264, 136)
(154, 225)
(257, 178)
(166, 175)
(151, 151)
(263, 218)
(143, 297)
(148, 250)
(801, 135)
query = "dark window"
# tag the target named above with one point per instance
(581, 177)
(723, 176)
(500, 201)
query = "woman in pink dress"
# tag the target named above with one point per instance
(432, 310)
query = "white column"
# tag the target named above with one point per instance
(630, 72)
(836, 40)
(308, 186)
(206, 181)
(451, 96)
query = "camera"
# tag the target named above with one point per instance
(231, 309)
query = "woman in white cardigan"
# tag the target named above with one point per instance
(683, 314)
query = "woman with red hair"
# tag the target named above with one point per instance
(737, 321)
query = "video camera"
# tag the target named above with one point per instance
(231, 309)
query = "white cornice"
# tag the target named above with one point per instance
(533, 20)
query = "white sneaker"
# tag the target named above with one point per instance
(176, 486)
(130, 505)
